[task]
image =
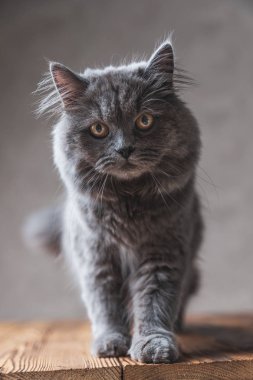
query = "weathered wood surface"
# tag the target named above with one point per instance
(214, 348)
(217, 347)
(55, 351)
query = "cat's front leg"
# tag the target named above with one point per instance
(156, 298)
(103, 295)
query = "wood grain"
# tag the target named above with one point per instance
(58, 350)
(213, 347)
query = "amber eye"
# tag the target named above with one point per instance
(144, 121)
(99, 130)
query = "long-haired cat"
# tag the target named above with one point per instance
(126, 148)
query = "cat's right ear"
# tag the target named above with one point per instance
(69, 85)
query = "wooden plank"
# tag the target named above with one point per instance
(51, 351)
(203, 371)
(213, 348)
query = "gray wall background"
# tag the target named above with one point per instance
(213, 40)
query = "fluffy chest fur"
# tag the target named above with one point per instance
(137, 221)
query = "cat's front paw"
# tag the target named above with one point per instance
(111, 344)
(155, 348)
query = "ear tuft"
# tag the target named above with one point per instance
(162, 61)
(70, 86)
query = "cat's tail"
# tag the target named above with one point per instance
(43, 229)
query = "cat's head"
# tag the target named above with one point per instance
(122, 122)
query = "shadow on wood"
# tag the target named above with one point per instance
(216, 336)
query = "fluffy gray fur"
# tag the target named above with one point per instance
(130, 226)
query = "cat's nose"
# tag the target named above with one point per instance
(126, 151)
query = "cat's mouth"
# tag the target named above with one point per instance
(128, 166)
(125, 170)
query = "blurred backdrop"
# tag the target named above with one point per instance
(213, 40)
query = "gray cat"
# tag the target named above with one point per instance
(126, 148)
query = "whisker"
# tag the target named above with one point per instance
(104, 165)
(204, 196)
(95, 182)
(210, 179)
(167, 174)
(93, 178)
(88, 173)
(169, 195)
(103, 187)
(166, 204)
(101, 180)
(101, 160)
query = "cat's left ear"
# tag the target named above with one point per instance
(161, 62)
(70, 85)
